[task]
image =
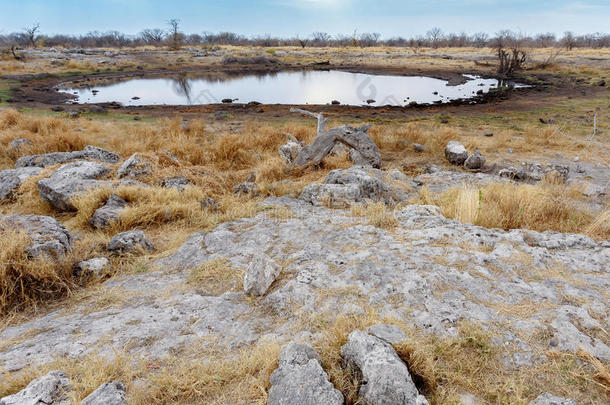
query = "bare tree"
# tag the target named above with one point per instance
(568, 40)
(510, 52)
(176, 37)
(152, 36)
(480, 39)
(302, 42)
(368, 39)
(434, 36)
(321, 38)
(30, 34)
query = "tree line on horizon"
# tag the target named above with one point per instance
(174, 38)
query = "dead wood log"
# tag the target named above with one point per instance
(364, 151)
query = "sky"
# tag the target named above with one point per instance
(286, 18)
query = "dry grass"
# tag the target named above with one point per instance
(378, 214)
(26, 282)
(202, 374)
(217, 276)
(445, 368)
(541, 207)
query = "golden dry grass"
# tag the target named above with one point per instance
(378, 214)
(25, 281)
(217, 276)
(541, 207)
(209, 374)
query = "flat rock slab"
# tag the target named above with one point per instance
(49, 159)
(429, 271)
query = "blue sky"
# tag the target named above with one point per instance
(302, 17)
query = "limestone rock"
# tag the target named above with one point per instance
(19, 142)
(456, 153)
(49, 159)
(134, 167)
(475, 161)
(548, 399)
(289, 151)
(179, 183)
(390, 333)
(260, 274)
(342, 188)
(50, 389)
(92, 268)
(247, 187)
(112, 393)
(11, 179)
(109, 213)
(129, 242)
(48, 236)
(69, 181)
(300, 379)
(93, 152)
(190, 255)
(209, 203)
(385, 378)
(331, 195)
(533, 172)
(418, 147)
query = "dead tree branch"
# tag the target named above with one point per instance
(363, 150)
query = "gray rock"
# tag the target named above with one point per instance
(50, 389)
(48, 236)
(534, 172)
(109, 213)
(374, 184)
(331, 195)
(548, 399)
(49, 159)
(260, 274)
(247, 187)
(390, 333)
(130, 242)
(190, 255)
(179, 183)
(456, 153)
(93, 152)
(11, 179)
(112, 393)
(300, 379)
(591, 190)
(289, 151)
(19, 142)
(69, 181)
(209, 203)
(343, 188)
(385, 379)
(92, 268)
(134, 167)
(475, 161)
(418, 147)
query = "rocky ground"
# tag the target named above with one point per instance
(536, 294)
(327, 276)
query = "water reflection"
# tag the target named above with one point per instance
(312, 87)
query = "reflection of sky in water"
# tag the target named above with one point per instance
(319, 87)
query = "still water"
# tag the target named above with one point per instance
(313, 87)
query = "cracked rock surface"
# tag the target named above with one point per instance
(429, 271)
